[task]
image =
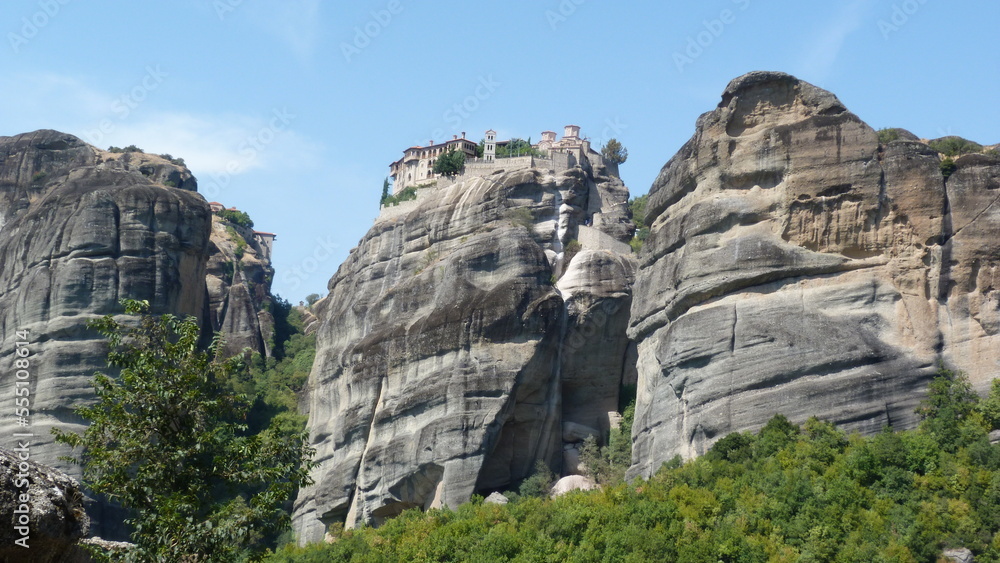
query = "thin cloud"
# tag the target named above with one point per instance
(210, 144)
(218, 145)
(823, 49)
(296, 23)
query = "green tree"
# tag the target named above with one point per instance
(450, 163)
(385, 193)
(167, 440)
(538, 483)
(948, 167)
(637, 206)
(235, 217)
(887, 135)
(614, 152)
(312, 298)
(517, 147)
(955, 146)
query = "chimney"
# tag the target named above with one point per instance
(453, 137)
(463, 134)
(430, 143)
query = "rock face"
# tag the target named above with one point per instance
(41, 510)
(81, 228)
(461, 339)
(796, 266)
(238, 281)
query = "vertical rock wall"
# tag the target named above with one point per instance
(462, 341)
(796, 266)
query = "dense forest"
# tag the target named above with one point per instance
(787, 493)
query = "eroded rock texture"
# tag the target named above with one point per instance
(448, 360)
(796, 266)
(80, 229)
(41, 511)
(238, 280)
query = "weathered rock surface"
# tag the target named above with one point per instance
(80, 229)
(41, 512)
(448, 361)
(572, 483)
(238, 280)
(796, 266)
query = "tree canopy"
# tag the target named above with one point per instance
(614, 152)
(449, 163)
(235, 217)
(168, 440)
(788, 493)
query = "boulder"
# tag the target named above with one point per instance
(41, 510)
(572, 483)
(496, 498)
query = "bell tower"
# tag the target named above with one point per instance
(490, 146)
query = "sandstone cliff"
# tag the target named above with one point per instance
(238, 280)
(464, 338)
(80, 229)
(796, 266)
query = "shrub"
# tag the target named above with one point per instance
(538, 483)
(887, 135)
(228, 270)
(522, 217)
(406, 194)
(954, 146)
(235, 217)
(637, 208)
(517, 147)
(948, 167)
(130, 148)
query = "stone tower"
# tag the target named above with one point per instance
(490, 148)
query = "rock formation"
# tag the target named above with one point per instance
(466, 337)
(238, 279)
(41, 512)
(794, 265)
(80, 229)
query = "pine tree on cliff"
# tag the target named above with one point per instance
(614, 152)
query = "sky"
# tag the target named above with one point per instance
(292, 110)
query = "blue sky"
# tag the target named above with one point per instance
(293, 110)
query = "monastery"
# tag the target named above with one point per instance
(416, 167)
